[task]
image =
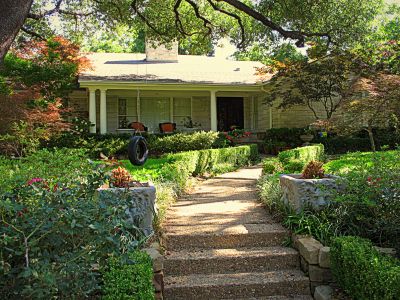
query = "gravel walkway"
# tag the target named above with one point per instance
(222, 244)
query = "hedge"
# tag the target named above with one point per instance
(192, 163)
(117, 144)
(362, 271)
(130, 279)
(303, 154)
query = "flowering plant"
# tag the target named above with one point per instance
(236, 134)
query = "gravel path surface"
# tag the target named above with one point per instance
(222, 244)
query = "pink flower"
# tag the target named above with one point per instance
(34, 180)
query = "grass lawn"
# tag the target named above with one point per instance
(150, 170)
(348, 162)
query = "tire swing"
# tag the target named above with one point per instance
(138, 151)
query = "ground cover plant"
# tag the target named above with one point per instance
(368, 206)
(364, 213)
(56, 233)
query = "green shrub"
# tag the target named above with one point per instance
(362, 271)
(116, 144)
(270, 193)
(131, 278)
(182, 142)
(304, 154)
(68, 166)
(53, 234)
(272, 166)
(294, 166)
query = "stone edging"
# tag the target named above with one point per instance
(154, 251)
(315, 262)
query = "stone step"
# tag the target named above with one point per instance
(231, 260)
(255, 216)
(236, 286)
(224, 236)
(289, 297)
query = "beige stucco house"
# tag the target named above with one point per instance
(162, 86)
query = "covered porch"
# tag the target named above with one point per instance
(112, 107)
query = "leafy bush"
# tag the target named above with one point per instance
(270, 193)
(294, 166)
(131, 278)
(69, 166)
(314, 169)
(54, 236)
(272, 166)
(367, 205)
(370, 201)
(289, 136)
(304, 154)
(183, 142)
(117, 144)
(93, 144)
(362, 271)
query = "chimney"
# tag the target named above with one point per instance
(158, 52)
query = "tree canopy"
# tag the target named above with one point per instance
(333, 23)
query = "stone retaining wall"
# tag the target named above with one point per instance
(315, 261)
(154, 251)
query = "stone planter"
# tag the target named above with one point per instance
(299, 193)
(306, 138)
(142, 204)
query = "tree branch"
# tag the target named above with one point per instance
(33, 33)
(239, 20)
(207, 24)
(296, 35)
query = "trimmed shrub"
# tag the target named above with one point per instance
(182, 142)
(272, 166)
(117, 144)
(294, 166)
(129, 279)
(362, 271)
(304, 154)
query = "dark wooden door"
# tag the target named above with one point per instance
(230, 113)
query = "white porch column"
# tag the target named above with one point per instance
(103, 111)
(213, 110)
(92, 110)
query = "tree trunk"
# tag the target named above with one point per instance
(12, 16)
(371, 138)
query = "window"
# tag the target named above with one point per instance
(154, 111)
(127, 112)
(182, 110)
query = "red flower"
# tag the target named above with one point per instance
(34, 180)
(369, 179)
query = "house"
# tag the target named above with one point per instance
(162, 86)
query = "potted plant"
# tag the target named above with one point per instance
(307, 136)
(189, 125)
(312, 188)
(140, 198)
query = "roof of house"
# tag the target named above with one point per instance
(188, 69)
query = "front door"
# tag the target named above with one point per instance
(230, 113)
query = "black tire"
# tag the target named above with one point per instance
(138, 151)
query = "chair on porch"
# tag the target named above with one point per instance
(137, 126)
(167, 127)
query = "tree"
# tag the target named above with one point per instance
(320, 84)
(329, 22)
(374, 102)
(37, 77)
